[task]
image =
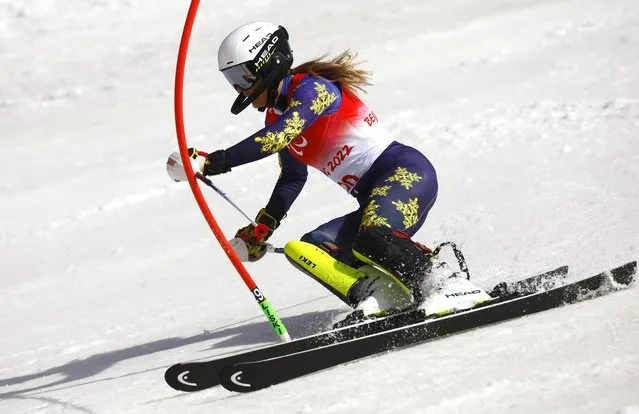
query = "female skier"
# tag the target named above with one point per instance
(315, 118)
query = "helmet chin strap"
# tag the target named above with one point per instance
(241, 102)
(271, 99)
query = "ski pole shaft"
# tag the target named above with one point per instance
(260, 230)
(177, 172)
(272, 249)
(209, 183)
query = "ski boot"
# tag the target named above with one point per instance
(377, 294)
(435, 286)
(446, 290)
(370, 291)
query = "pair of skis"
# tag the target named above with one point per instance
(257, 369)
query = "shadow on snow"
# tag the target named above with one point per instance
(256, 332)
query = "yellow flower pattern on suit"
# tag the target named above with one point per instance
(323, 100)
(380, 191)
(275, 141)
(293, 103)
(370, 217)
(404, 178)
(409, 211)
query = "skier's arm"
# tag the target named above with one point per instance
(312, 98)
(288, 186)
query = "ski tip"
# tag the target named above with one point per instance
(240, 378)
(181, 377)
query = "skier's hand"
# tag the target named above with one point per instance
(215, 163)
(253, 239)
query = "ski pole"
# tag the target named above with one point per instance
(209, 183)
(278, 327)
(175, 169)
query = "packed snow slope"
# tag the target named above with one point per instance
(109, 274)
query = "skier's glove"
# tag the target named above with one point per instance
(253, 239)
(214, 163)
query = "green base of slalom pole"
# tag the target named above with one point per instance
(276, 323)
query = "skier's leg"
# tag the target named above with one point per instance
(326, 255)
(395, 208)
(438, 287)
(336, 237)
(400, 202)
(396, 255)
(398, 198)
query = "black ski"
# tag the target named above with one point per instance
(258, 374)
(195, 376)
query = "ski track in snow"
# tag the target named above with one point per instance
(528, 109)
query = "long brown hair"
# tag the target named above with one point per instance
(341, 69)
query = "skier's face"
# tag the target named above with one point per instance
(260, 101)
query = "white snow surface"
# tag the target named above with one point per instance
(109, 274)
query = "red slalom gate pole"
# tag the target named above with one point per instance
(265, 305)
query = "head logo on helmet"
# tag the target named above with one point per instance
(264, 39)
(266, 54)
(255, 53)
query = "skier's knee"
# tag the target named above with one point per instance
(321, 240)
(315, 237)
(328, 244)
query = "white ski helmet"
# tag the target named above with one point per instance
(255, 52)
